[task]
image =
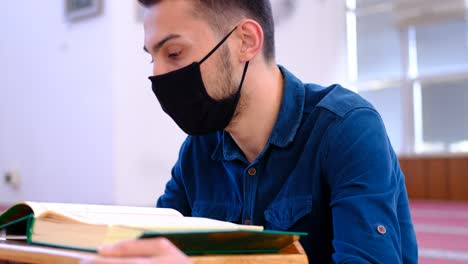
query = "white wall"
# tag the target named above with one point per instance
(312, 43)
(78, 119)
(55, 103)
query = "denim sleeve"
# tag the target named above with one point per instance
(175, 195)
(360, 168)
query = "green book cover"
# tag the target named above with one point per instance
(229, 242)
(14, 221)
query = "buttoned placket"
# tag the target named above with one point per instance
(250, 176)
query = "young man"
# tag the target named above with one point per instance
(264, 148)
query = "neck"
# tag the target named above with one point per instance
(258, 109)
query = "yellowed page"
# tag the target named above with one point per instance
(101, 214)
(184, 224)
(140, 218)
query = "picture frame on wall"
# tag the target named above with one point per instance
(81, 9)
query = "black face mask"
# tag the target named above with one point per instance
(183, 96)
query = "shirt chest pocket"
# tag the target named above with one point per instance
(220, 211)
(285, 213)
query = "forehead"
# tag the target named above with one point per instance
(173, 17)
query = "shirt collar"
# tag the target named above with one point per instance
(285, 128)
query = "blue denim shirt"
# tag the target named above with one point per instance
(328, 169)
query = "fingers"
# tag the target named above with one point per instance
(141, 251)
(140, 248)
(155, 260)
(121, 261)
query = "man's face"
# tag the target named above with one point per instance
(175, 37)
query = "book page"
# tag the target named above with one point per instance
(102, 214)
(140, 218)
(187, 224)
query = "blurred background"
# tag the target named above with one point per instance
(79, 122)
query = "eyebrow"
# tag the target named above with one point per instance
(161, 43)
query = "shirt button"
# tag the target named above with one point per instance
(381, 229)
(247, 222)
(252, 171)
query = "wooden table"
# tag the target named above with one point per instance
(19, 252)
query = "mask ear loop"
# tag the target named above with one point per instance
(217, 46)
(243, 75)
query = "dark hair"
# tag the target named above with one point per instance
(221, 12)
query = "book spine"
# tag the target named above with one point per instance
(29, 228)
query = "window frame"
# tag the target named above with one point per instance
(411, 82)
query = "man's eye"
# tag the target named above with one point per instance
(174, 54)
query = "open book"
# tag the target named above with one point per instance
(86, 227)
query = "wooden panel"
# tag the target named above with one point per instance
(458, 178)
(437, 176)
(416, 182)
(293, 254)
(21, 253)
(404, 163)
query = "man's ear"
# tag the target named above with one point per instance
(251, 38)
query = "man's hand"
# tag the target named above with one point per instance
(142, 251)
